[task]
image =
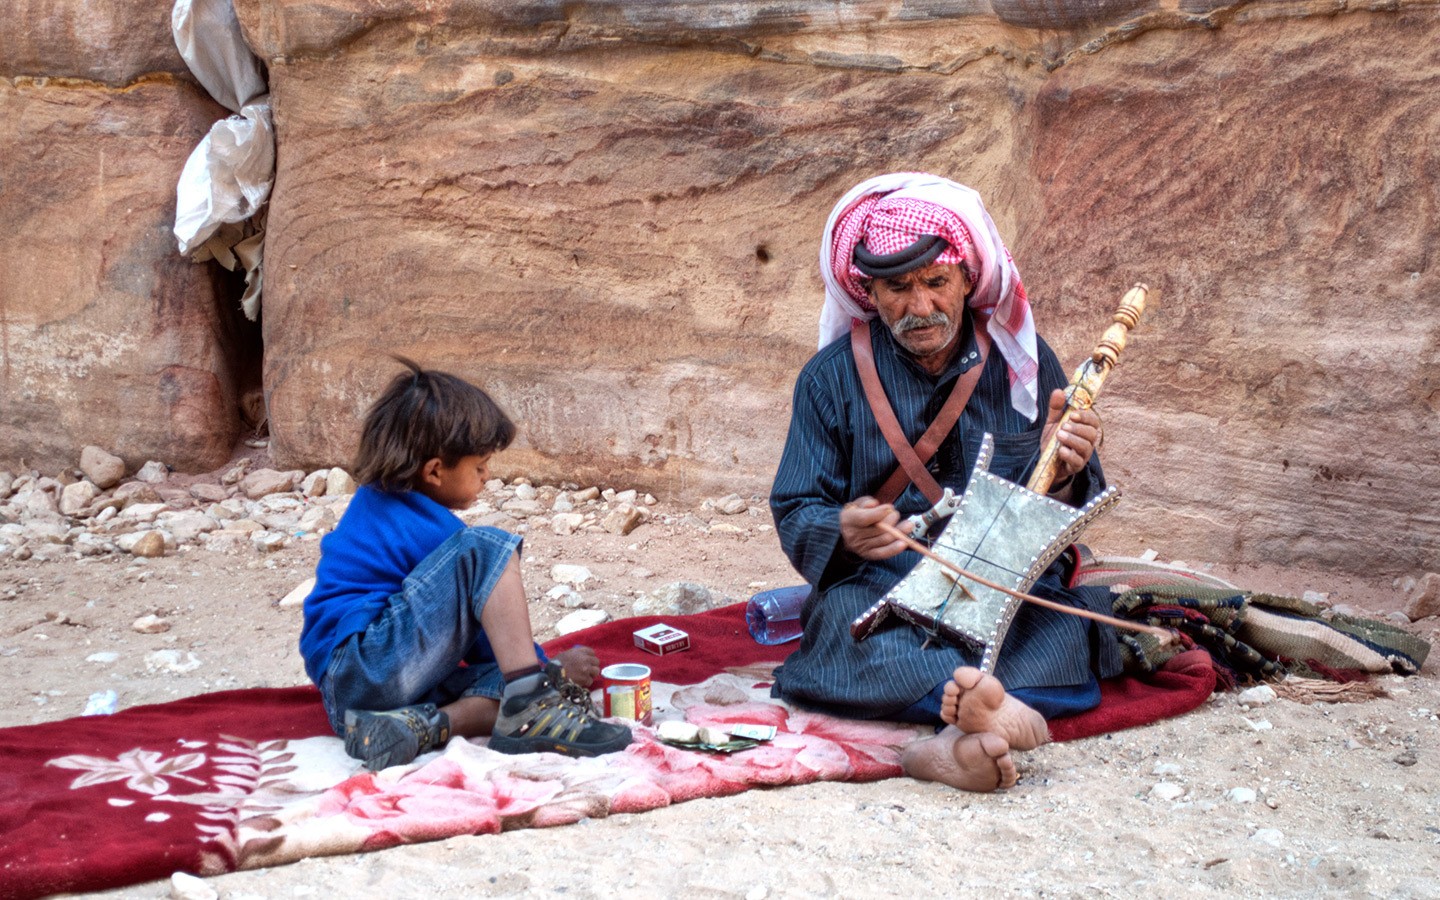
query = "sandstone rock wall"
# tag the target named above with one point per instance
(107, 335)
(608, 212)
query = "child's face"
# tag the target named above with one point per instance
(457, 486)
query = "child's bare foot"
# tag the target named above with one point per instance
(580, 665)
(976, 703)
(970, 762)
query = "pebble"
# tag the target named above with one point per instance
(1167, 791)
(104, 656)
(1166, 769)
(150, 625)
(184, 886)
(102, 467)
(1258, 724)
(149, 545)
(314, 484)
(1425, 598)
(267, 541)
(623, 519)
(297, 594)
(153, 472)
(339, 483)
(564, 573)
(566, 523)
(1272, 836)
(680, 598)
(78, 496)
(525, 492)
(1260, 695)
(209, 493)
(1240, 795)
(171, 661)
(731, 504)
(580, 620)
(586, 495)
(264, 482)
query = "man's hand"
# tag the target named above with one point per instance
(1078, 439)
(860, 529)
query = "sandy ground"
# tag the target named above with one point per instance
(1347, 798)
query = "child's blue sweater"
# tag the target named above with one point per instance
(380, 540)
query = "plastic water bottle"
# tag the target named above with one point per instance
(774, 616)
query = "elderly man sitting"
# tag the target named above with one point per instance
(918, 280)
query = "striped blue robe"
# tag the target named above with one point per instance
(835, 453)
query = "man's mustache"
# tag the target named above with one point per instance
(911, 322)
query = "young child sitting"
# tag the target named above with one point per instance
(405, 592)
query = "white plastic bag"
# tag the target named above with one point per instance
(207, 34)
(227, 176)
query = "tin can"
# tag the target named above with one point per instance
(627, 692)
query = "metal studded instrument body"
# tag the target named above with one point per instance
(1003, 532)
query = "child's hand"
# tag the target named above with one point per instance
(581, 665)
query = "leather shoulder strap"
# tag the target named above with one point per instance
(912, 459)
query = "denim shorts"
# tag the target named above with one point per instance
(412, 653)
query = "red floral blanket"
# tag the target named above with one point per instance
(242, 779)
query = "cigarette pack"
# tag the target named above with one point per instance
(661, 639)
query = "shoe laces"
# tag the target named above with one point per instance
(571, 692)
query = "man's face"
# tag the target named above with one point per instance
(923, 310)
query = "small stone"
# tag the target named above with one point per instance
(1272, 836)
(1167, 791)
(314, 484)
(1317, 598)
(627, 496)
(136, 492)
(586, 495)
(236, 472)
(267, 541)
(297, 595)
(525, 492)
(1166, 769)
(41, 505)
(494, 485)
(185, 527)
(1406, 758)
(563, 573)
(104, 656)
(1425, 599)
(566, 523)
(153, 472)
(1258, 724)
(339, 483)
(580, 620)
(731, 505)
(562, 503)
(209, 493)
(1260, 695)
(184, 886)
(76, 497)
(150, 625)
(522, 508)
(607, 495)
(102, 467)
(649, 500)
(317, 520)
(680, 598)
(622, 520)
(1240, 795)
(725, 528)
(264, 482)
(140, 513)
(172, 661)
(1395, 617)
(150, 544)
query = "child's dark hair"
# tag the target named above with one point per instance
(424, 414)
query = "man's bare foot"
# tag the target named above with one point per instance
(580, 665)
(976, 703)
(970, 762)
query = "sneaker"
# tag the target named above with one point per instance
(580, 696)
(535, 717)
(384, 739)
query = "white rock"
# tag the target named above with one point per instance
(263, 482)
(297, 595)
(39, 505)
(563, 573)
(623, 519)
(150, 625)
(587, 495)
(731, 504)
(679, 598)
(267, 541)
(184, 886)
(101, 467)
(525, 492)
(562, 504)
(1167, 791)
(143, 512)
(186, 526)
(1259, 695)
(580, 620)
(1316, 597)
(101, 703)
(104, 656)
(608, 494)
(1258, 724)
(317, 519)
(1240, 795)
(76, 497)
(171, 661)
(93, 545)
(106, 515)
(522, 508)
(566, 523)
(1272, 836)
(1164, 769)
(626, 496)
(153, 472)
(494, 485)
(339, 483)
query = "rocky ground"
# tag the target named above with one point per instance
(162, 588)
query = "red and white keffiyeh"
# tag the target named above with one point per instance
(889, 213)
